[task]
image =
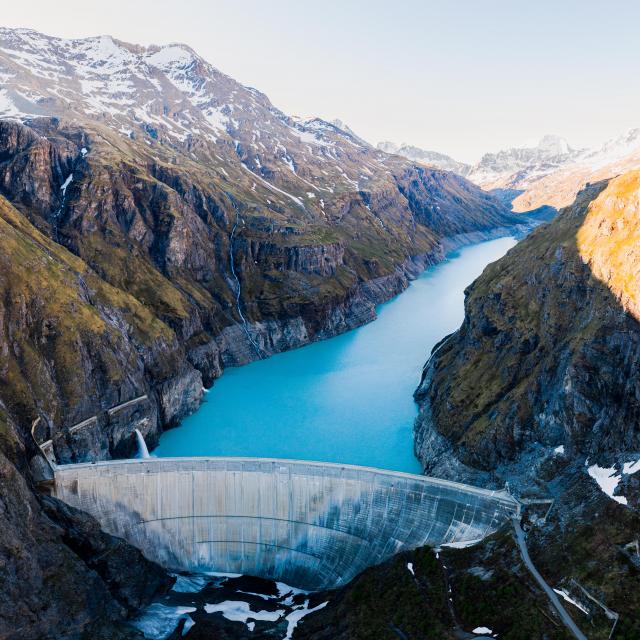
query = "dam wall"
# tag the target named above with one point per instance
(311, 525)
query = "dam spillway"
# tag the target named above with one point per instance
(311, 525)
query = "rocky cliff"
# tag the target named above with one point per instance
(547, 354)
(61, 576)
(540, 388)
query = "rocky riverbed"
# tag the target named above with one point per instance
(227, 606)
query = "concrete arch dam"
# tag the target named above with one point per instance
(311, 525)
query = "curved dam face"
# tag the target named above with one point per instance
(311, 525)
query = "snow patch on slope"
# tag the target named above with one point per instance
(482, 630)
(170, 56)
(570, 600)
(239, 611)
(7, 108)
(608, 479)
(295, 616)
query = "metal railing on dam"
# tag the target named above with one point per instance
(312, 525)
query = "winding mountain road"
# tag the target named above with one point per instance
(562, 612)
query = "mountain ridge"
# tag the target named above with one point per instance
(430, 158)
(548, 174)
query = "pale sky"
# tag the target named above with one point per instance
(458, 76)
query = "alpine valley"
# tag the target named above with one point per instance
(160, 222)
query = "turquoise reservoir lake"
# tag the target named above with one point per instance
(348, 399)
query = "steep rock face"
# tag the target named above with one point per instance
(180, 395)
(540, 388)
(33, 176)
(322, 260)
(438, 200)
(74, 346)
(61, 576)
(131, 579)
(548, 352)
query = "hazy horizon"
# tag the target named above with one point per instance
(461, 79)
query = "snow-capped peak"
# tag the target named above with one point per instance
(173, 55)
(424, 156)
(554, 145)
(516, 167)
(389, 147)
(614, 149)
(168, 97)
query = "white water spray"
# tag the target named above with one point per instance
(143, 452)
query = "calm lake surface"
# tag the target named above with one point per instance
(348, 399)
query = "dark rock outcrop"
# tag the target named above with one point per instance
(438, 595)
(61, 576)
(132, 580)
(547, 355)
(540, 388)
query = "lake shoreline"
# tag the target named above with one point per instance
(228, 397)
